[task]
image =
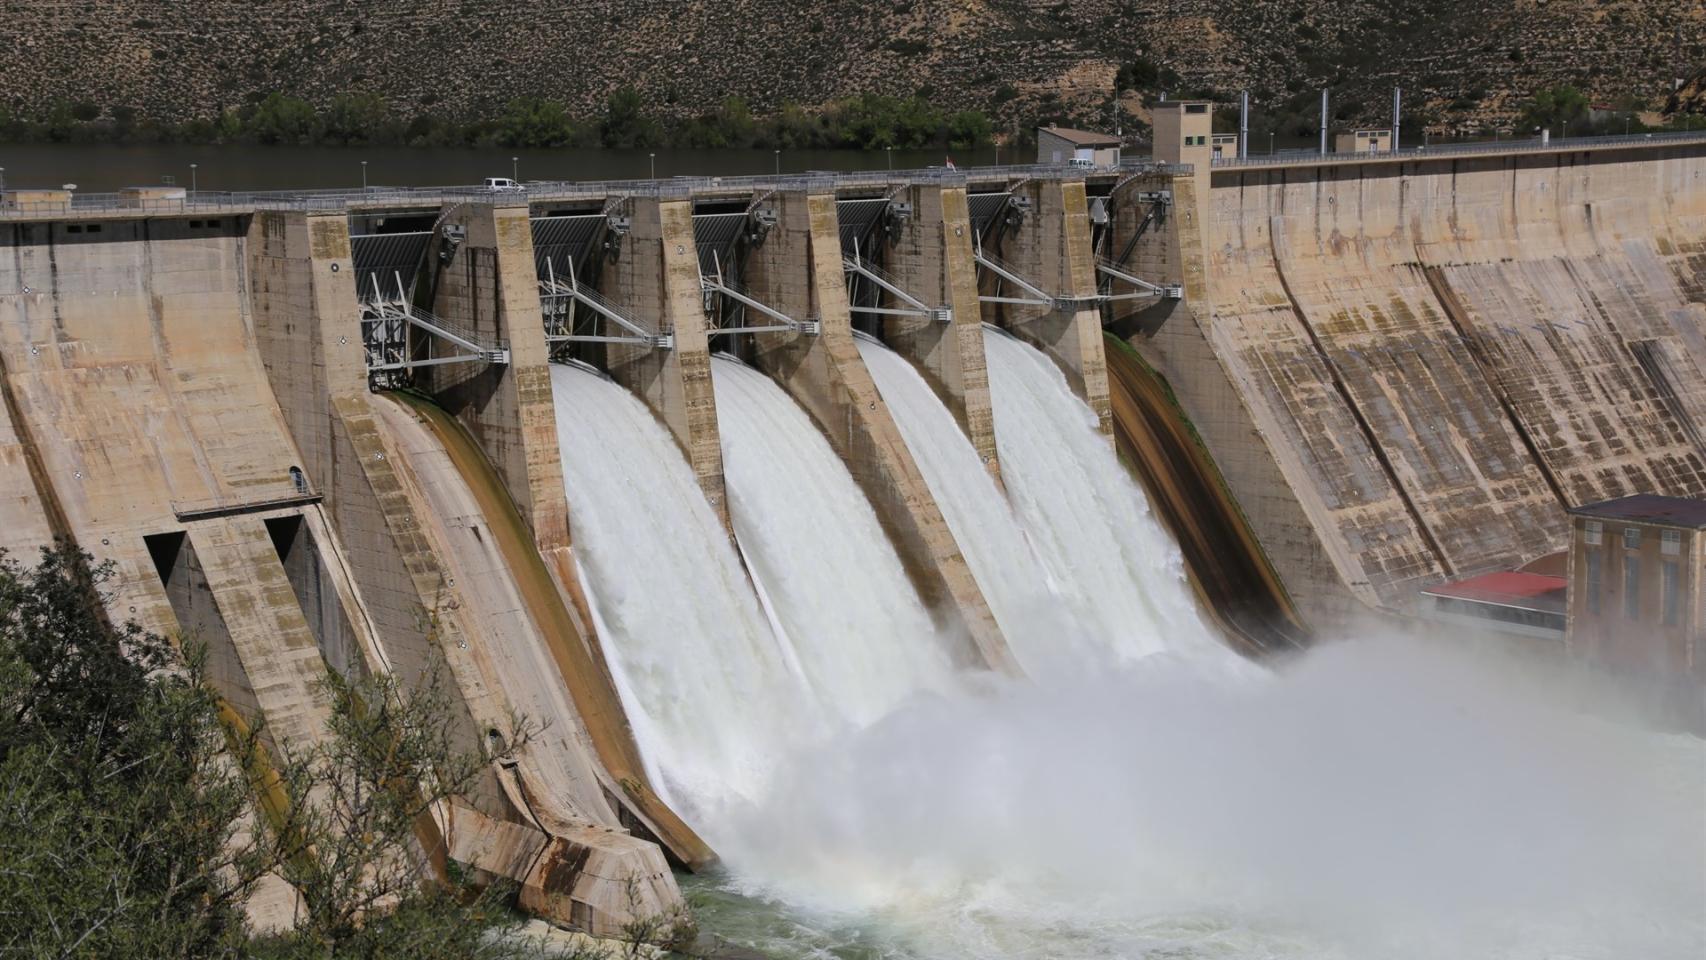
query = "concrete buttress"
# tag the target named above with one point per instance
(491, 286)
(931, 258)
(656, 277)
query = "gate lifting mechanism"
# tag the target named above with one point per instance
(857, 266)
(715, 286)
(558, 299)
(385, 324)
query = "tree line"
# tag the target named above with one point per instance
(863, 122)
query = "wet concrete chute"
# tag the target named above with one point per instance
(795, 504)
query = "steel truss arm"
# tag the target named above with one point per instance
(1145, 289)
(714, 284)
(553, 289)
(915, 307)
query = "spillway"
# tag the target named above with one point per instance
(1117, 570)
(862, 637)
(1018, 587)
(705, 683)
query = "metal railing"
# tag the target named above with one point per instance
(1536, 145)
(216, 202)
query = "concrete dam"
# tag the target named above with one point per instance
(705, 474)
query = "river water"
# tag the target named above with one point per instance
(101, 167)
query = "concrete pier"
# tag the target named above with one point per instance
(932, 258)
(798, 271)
(656, 278)
(1051, 248)
(490, 286)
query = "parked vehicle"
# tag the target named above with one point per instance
(504, 185)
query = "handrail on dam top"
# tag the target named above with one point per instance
(338, 200)
(1536, 145)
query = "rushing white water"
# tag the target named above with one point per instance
(1119, 571)
(1019, 590)
(861, 634)
(1376, 800)
(701, 675)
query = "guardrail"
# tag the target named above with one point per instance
(216, 202)
(1562, 144)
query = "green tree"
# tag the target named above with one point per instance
(118, 805)
(535, 122)
(625, 123)
(128, 822)
(1553, 106)
(356, 118)
(279, 119)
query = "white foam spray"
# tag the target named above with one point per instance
(861, 635)
(702, 677)
(1032, 615)
(1120, 572)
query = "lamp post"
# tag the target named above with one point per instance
(192, 178)
(364, 176)
(1270, 143)
(890, 152)
(778, 163)
(654, 159)
(515, 168)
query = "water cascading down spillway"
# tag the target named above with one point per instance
(1077, 569)
(716, 691)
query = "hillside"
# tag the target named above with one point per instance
(1463, 62)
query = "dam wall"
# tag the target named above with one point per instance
(1402, 371)
(1435, 357)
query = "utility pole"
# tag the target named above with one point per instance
(1397, 102)
(1323, 121)
(1244, 125)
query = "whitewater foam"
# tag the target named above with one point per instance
(859, 631)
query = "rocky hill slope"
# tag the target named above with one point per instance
(1465, 61)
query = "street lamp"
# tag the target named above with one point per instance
(1270, 143)
(364, 176)
(192, 178)
(514, 168)
(778, 163)
(654, 159)
(890, 152)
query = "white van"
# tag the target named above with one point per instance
(504, 185)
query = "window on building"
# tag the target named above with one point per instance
(1632, 538)
(1671, 595)
(1593, 533)
(1593, 577)
(1670, 543)
(1632, 588)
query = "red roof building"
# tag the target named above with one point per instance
(1514, 602)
